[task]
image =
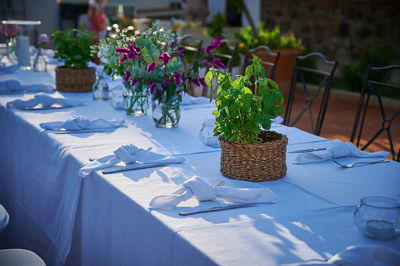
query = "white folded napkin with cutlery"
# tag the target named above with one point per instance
(14, 86)
(78, 123)
(188, 100)
(359, 255)
(337, 149)
(42, 101)
(129, 154)
(203, 191)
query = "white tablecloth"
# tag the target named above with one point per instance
(104, 219)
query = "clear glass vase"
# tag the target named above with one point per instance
(136, 99)
(166, 113)
(40, 64)
(100, 90)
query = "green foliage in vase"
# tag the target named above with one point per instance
(73, 47)
(241, 113)
(273, 39)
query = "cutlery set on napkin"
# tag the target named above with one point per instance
(42, 102)
(133, 158)
(336, 149)
(203, 191)
(14, 86)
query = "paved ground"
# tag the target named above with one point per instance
(339, 121)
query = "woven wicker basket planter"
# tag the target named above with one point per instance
(263, 161)
(72, 80)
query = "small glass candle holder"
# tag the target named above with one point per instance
(378, 218)
(40, 64)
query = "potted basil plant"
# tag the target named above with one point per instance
(74, 48)
(250, 151)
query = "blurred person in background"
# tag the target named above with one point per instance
(95, 19)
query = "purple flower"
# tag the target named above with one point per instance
(134, 81)
(206, 64)
(122, 50)
(196, 82)
(212, 46)
(127, 76)
(174, 42)
(165, 83)
(203, 83)
(181, 49)
(165, 57)
(123, 58)
(218, 64)
(178, 79)
(151, 66)
(152, 86)
(181, 55)
(133, 51)
(43, 38)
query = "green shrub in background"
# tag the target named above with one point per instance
(216, 27)
(352, 75)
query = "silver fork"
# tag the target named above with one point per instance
(350, 165)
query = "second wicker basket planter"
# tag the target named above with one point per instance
(72, 80)
(264, 161)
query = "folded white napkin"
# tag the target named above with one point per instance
(129, 154)
(188, 100)
(14, 86)
(277, 120)
(82, 123)
(360, 255)
(337, 149)
(203, 191)
(42, 101)
(4, 218)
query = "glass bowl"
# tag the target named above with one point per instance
(378, 217)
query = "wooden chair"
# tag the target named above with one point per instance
(374, 87)
(324, 75)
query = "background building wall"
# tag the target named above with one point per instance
(340, 29)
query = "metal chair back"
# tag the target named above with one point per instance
(324, 73)
(268, 62)
(372, 87)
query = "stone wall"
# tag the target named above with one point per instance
(340, 29)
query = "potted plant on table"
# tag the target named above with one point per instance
(243, 119)
(287, 44)
(74, 48)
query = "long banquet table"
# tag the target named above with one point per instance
(105, 219)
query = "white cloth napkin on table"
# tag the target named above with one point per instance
(82, 123)
(337, 149)
(14, 86)
(42, 101)
(8, 69)
(359, 255)
(203, 191)
(188, 100)
(128, 154)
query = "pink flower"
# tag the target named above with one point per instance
(151, 66)
(165, 57)
(122, 50)
(178, 79)
(165, 83)
(134, 81)
(43, 38)
(214, 45)
(218, 64)
(123, 58)
(203, 83)
(127, 76)
(133, 51)
(174, 42)
(152, 86)
(206, 64)
(196, 82)
(181, 49)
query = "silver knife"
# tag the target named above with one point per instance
(308, 150)
(218, 208)
(134, 167)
